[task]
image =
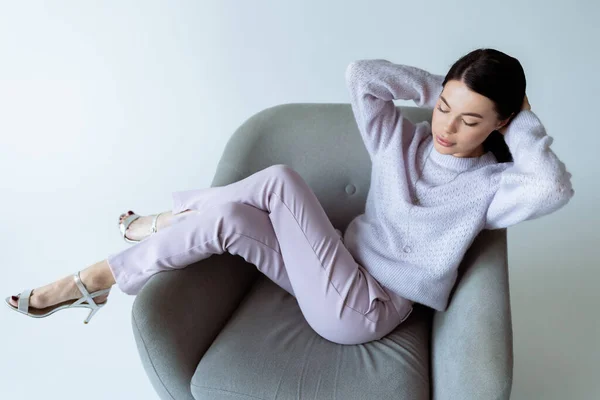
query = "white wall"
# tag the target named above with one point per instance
(111, 106)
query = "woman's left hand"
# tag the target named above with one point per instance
(524, 106)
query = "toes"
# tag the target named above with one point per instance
(124, 215)
(14, 301)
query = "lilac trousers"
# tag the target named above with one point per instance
(274, 221)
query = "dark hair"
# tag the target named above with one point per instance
(499, 77)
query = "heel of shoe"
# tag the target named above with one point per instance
(93, 312)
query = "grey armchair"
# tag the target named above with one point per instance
(221, 330)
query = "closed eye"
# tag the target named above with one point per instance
(465, 122)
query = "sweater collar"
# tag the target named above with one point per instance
(460, 164)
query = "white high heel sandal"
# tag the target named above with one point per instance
(129, 220)
(87, 301)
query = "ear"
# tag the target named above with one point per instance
(505, 122)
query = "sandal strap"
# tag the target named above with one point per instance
(83, 290)
(93, 303)
(23, 303)
(86, 295)
(128, 221)
(154, 229)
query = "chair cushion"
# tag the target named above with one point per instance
(268, 351)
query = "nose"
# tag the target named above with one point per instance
(449, 127)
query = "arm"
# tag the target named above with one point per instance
(536, 183)
(374, 84)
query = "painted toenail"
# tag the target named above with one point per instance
(15, 298)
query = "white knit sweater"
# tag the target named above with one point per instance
(424, 209)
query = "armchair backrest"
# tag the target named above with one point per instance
(320, 141)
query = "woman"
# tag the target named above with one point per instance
(483, 163)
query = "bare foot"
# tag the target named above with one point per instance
(142, 227)
(93, 278)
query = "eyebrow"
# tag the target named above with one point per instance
(470, 114)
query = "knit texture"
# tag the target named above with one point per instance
(424, 209)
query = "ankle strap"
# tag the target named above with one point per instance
(154, 229)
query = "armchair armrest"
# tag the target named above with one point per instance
(177, 315)
(471, 344)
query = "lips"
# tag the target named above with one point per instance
(443, 142)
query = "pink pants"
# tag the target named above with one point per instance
(274, 221)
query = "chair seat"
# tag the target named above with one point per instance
(267, 350)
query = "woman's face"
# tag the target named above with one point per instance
(464, 119)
